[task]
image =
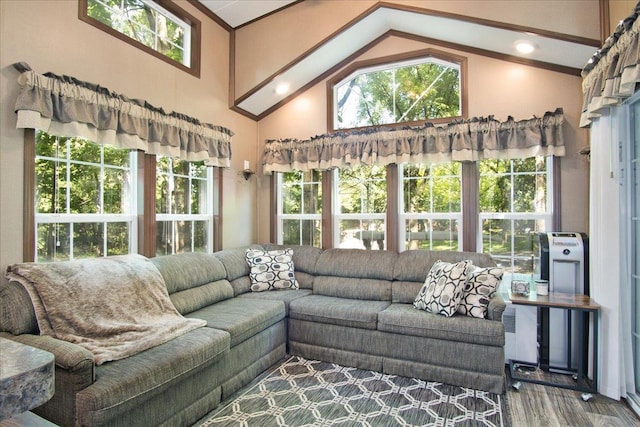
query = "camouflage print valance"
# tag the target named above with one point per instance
(468, 140)
(65, 106)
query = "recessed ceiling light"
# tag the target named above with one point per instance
(282, 88)
(525, 46)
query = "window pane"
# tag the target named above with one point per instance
(440, 234)
(180, 196)
(363, 190)
(200, 236)
(495, 186)
(301, 232)
(51, 193)
(117, 238)
(84, 151)
(362, 234)
(182, 241)
(88, 239)
(116, 189)
(144, 22)
(85, 189)
(435, 188)
(402, 92)
(496, 237)
(164, 238)
(53, 242)
(198, 196)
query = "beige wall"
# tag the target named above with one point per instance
(266, 46)
(49, 36)
(495, 87)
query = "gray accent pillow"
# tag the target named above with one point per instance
(271, 269)
(480, 287)
(443, 287)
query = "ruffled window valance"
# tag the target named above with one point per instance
(611, 74)
(65, 106)
(468, 140)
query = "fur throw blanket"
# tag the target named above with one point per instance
(115, 306)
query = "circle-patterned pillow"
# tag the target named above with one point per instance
(271, 269)
(442, 289)
(480, 287)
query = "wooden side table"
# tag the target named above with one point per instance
(582, 304)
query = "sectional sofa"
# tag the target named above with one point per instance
(353, 307)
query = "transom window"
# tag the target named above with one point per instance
(413, 90)
(158, 27)
(184, 206)
(85, 199)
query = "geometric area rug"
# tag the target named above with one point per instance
(310, 393)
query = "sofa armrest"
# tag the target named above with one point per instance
(68, 356)
(496, 307)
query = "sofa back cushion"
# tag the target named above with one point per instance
(412, 267)
(194, 280)
(305, 259)
(355, 273)
(17, 315)
(235, 263)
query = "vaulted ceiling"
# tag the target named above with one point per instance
(558, 52)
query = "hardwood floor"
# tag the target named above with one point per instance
(539, 406)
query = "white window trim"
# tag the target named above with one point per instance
(130, 218)
(546, 216)
(206, 217)
(281, 217)
(186, 27)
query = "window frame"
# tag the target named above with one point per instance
(174, 9)
(281, 216)
(404, 216)
(400, 58)
(71, 219)
(338, 216)
(208, 217)
(548, 216)
(145, 171)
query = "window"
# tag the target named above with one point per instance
(158, 27)
(515, 203)
(361, 207)
(184, 206)
(85, 204)
(300, 208)
(431, 211)
(427, 85)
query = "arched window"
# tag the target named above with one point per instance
(419, 86)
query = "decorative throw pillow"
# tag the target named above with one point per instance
(442, 289)
(480, 287)
(271, 269)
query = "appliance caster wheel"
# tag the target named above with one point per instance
(516, 386)
(586, 396)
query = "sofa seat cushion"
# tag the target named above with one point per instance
(337, 311)
(242, 317)
(407, 320)
(284, 295)
(127, 383)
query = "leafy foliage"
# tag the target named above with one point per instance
(74, 176)
(403, 94)
(139, 21)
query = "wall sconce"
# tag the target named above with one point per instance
(247, 172)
